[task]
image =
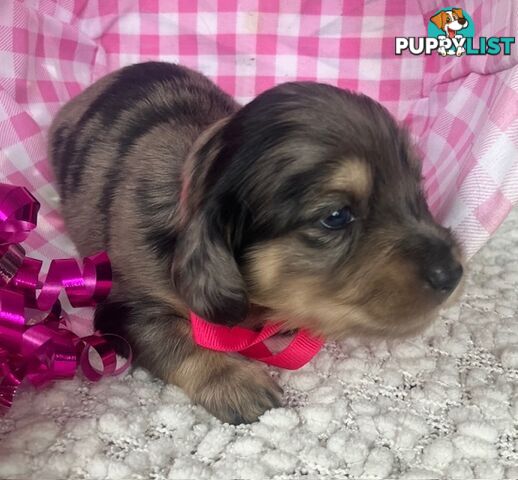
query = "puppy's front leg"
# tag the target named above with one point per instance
(233, 389)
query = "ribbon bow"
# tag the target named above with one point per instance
(302, 348)
(46, 350)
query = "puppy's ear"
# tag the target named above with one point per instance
(458, 11)
(439, 20)
(204, 270)
(206, 275)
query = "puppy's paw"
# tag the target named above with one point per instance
(239, 393)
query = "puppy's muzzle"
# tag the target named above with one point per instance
(444, 277)
(441, 271)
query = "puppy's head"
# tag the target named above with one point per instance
(308, 202)
(450, 20)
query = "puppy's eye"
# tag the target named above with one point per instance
(338, 219)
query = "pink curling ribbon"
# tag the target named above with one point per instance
(47, 350)
(302, 348)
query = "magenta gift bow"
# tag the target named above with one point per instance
(47, 350)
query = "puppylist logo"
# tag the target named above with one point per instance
(451, 31)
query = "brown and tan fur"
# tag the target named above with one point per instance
(206, 206)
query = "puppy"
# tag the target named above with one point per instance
(450, 21)
(303, 207)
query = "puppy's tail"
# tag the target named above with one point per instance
(112, 317)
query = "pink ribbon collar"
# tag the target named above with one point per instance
(302, 348)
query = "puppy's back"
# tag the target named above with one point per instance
(135, 124)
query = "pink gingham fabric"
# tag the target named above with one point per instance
(462, 112)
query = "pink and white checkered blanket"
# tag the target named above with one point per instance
(463, 112)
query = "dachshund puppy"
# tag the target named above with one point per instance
(303, 207)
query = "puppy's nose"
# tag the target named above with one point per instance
(445, 276)
(462, 21)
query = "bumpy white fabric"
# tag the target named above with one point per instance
(442, 405)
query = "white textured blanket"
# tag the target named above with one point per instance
(442, 405)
